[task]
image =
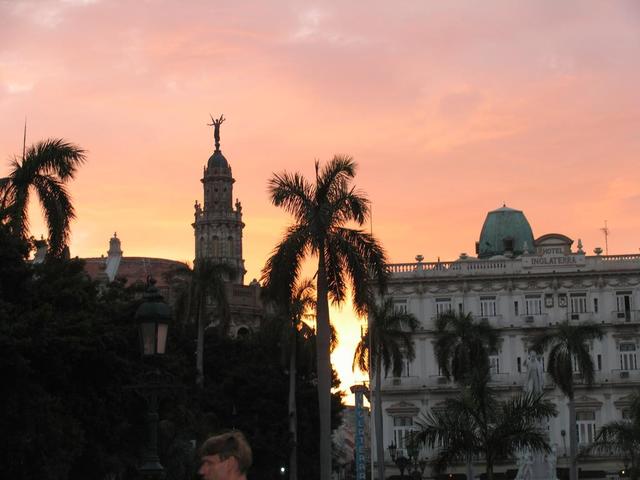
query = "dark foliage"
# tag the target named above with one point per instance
(247, 387)
(69, 355)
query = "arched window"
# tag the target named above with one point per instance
(230, 246)
(243, 332)
(215, 247)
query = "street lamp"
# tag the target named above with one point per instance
(415, 464)
(153, 317)
(399, 459)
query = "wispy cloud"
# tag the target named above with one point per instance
(46, 13)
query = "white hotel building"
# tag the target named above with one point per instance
(522, 285)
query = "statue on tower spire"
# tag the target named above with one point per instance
(215, 123)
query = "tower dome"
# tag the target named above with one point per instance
(505, 231)
(217, 161)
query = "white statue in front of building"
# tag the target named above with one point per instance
(535, 466)
(535, 374)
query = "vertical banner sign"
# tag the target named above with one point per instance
(361, 471)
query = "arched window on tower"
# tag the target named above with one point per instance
(215, 247)
(201, 246)
(230, 246)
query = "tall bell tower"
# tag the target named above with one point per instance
(218, 222)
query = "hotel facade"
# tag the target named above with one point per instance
(521, 286)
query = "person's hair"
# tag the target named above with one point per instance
(229, 444)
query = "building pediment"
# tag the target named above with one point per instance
(587, 402)
(625, 401)
(403, 409)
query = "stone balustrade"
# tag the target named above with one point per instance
(519, 265)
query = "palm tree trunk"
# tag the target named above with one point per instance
(293, 414)
(489, 470)
(378, 418)
(573, 441)
(200, 345)
(324, 368)
(469, 468)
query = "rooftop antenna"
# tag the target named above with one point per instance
(24, 139)
(605, 230)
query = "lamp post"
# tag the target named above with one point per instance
(153, 317)
(415, 464)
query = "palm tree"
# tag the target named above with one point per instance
(201, 288)
(345, 255)
(622, 437)
(462, 349)
(389, 332)
(568, 343)
(302, 300)
(463, 345)
(45, 167)
(477, 423)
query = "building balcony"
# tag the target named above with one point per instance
(582, 316)
(405, 382)
(628, 316)
(496, 321)
(539, 320)
(618, 376)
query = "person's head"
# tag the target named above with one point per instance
(225, 456)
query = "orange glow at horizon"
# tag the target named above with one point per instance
(449, 108)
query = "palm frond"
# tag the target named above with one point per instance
(350, 205)
(335, 269)
(282, 268)
(361, 354)
(293, 193)
(55, 157)
(57, 210)
(333, 177)
(364, 260)
(566, 343)
(463, 345)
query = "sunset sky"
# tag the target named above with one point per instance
(449, 107)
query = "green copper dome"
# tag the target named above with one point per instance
(217, 160)
(505, 230)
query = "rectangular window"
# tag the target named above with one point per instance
(578, 303)
(623, 305)
(406, 367)
(586, 426)
(595, 305)
(400, 306)
(599, 358)
(402, 427)
(628, 359)
(515, 308)
(443, 305)
(487, 306)
(494, 364)
(576, 366)
(460, 309)
(533, 305)
(519, 364)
